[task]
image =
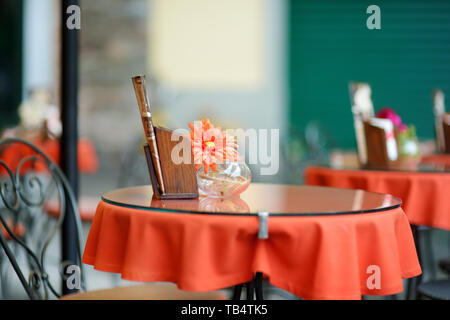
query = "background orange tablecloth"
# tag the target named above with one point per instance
(87, 156)
(439, 159)
(313, 257)
(425, 195)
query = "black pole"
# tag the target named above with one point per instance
(69, 138)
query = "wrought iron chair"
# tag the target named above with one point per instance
(21, 191)
(24, 191)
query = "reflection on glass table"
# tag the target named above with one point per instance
(282, 200)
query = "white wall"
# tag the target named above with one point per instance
(260, 107)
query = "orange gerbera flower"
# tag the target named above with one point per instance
(211, 145)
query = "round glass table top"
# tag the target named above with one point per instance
(281, 200)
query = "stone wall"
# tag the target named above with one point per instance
(113, 48)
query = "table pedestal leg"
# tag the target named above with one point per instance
(251, 289)
(258, 286)
(237, 292)
(254, 287)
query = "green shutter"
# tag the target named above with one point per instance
(330, 45)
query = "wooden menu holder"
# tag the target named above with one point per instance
(446, 129)
(377, 156)
(376, 147)
(180, 180)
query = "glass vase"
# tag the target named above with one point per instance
(229, 180)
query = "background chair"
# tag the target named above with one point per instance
(436, 290)
(427, 285)
(24, 190)
(444, 264)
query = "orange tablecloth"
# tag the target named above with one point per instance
(439, 159)
(313, 257)
(425, 195)
(87, 156)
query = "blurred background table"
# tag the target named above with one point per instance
(321, 240)
(424, 190)
(437, 159)
(87, 155)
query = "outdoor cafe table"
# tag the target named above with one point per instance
(424, 190)
(323, 243)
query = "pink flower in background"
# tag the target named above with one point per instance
(402, 127)
(388, 113)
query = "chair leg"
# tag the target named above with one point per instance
(411, 291)
(253, 288)
(2, 278)
(427, 234)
